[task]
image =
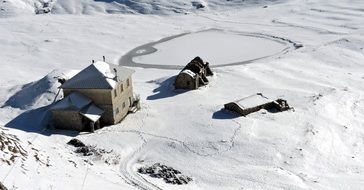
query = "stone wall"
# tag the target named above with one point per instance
(185, 81)
(123, 100)
(65, 119)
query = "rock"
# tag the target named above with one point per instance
(142, 170)
(168, 174)
(76, 143)
(297, 46)
(198, 5)
(2, 187)
(85, 150)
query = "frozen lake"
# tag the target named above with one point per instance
(217, 47)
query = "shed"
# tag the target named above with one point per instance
(255, 103)
(76, 112)
(193, 75)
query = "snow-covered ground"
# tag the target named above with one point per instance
(318, 145)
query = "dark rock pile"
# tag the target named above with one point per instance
(87, 150)
(198, 5)
(11, 148)
(2, 187)
(168, 174)
(76, 143)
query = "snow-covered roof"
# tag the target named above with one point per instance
(74, 101)
(80, 103)
(252, 101)
(92, 112)
(99, 75)
(189, 72)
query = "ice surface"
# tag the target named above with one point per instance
(216, 47)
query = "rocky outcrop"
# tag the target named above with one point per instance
(2, 187)
(12, 148)
(168, 174)
(94, 153)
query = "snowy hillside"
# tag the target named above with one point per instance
(310, 53)
(121, 6)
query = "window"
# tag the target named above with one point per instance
(123, 105)
(115, 93)
(127, 82)
(117, 111)
(121, 88)
(188, 83)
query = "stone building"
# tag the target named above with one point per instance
(255, 103)
(193, 75)
(101, 94)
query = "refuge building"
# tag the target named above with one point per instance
(101, 94)
(193, 75)
(255, 103)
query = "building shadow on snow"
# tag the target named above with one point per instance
(165, 89)
(36, 121)
(223, 114)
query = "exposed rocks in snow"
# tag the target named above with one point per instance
(109, 157)
(43, 7)
(11, 148)
(316, 97)
(87, 150)
(2, 187)
(168, 174)
(76, 143)
(198, 5)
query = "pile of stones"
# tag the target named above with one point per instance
(11, 148)
(2, 187)
(87, 150)
(168, 174)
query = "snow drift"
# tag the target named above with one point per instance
(37, 94)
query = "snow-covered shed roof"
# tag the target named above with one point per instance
(99, 75)
(81, 104)
(189, 72)
(92, 112)
(74, 101)
(252, 101)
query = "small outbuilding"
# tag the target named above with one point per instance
(193, 75)
(255, 103)
(76, 112)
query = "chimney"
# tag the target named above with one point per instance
(93, 61)
(103, 58)
(116, 75)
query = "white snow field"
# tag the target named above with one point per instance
(318, 145)
(221, 47)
